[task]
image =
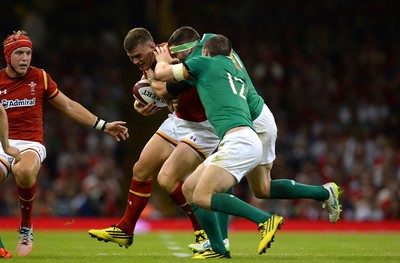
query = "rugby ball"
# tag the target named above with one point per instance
(143, 92)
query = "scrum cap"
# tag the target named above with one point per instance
(16, 40)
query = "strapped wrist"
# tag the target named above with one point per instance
(99, 124)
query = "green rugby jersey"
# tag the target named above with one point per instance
(255, 101)
(223, 91)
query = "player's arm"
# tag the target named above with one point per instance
(164, 71)
(160, 88)
(168, 90)
(80, 114)
(171, 91)
(8, 149)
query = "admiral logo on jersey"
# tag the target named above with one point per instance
(18, 103)
(4, 91)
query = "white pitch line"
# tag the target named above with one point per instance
(173, 246)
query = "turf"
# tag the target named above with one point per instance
(171, 247)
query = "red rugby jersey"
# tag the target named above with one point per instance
(190, 107)
(23, 100)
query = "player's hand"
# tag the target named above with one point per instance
(117, 130)
(145, 109)
(14, 152)
(162, 55)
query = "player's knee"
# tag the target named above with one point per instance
(261, 191)
(164, 183)
(198, 201)
(202, 200)
(25, 176)
(169, 180)
(140, 173)
(261, 195)
(187, 191)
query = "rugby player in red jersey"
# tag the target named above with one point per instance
(23, 90)
(183, 141)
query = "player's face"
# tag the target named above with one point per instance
(21, 60)
(142, 56)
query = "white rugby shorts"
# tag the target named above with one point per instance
(238, 153)
(24, 146)
(200, 136)
(267, 132)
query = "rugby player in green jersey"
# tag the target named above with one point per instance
(186, 43)
(223, 91)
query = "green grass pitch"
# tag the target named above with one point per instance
(171, 247)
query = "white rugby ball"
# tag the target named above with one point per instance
(143, 92)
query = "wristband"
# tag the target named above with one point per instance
(99, 124)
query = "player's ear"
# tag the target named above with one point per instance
(204, 52)
(152, 45)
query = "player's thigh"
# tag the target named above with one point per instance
(152, 157)
(182, 161)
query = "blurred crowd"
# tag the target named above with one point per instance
(329, 72)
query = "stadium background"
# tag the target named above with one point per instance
(329, 71)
